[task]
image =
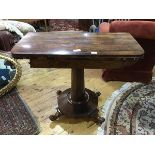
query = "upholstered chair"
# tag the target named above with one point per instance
(144, 33)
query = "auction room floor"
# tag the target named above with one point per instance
(38, 88)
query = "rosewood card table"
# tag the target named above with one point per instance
(78, 50)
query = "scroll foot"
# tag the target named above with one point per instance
(99, 119)
(55, 116)
(59, 92)
(98, 94)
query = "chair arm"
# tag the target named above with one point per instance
(138, 29)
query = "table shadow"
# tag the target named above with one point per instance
(78, 126)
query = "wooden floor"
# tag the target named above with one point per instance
(38, 88)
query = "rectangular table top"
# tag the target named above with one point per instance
(77, 44)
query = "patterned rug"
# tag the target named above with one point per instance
(63, 25)
(15, 116)
(130, 110)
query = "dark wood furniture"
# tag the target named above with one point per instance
(78, 50)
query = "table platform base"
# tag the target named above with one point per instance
(86, 108)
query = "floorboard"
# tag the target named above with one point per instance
(38, 88)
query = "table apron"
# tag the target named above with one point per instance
(42, 62)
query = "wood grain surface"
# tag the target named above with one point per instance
(69, 44)
(78, 50)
